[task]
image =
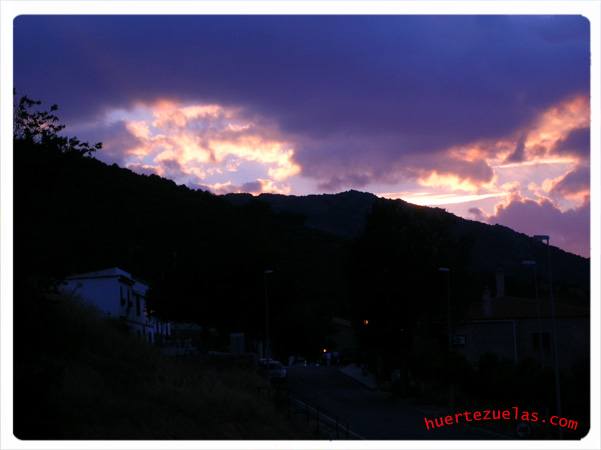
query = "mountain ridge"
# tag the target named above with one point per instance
(344, 214)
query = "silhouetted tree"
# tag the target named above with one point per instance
(31, 125)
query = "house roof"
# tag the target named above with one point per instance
(113, 272)
(522, 308)
(105, 273)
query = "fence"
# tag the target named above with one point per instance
(325, 425)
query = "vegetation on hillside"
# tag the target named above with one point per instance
(80, 376)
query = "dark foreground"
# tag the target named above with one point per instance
(372, 414)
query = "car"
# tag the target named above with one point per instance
(273, 370)
(298, 361)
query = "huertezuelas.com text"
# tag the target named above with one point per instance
(507, 414)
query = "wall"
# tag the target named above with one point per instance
(497, 337)
(573, 340)
(101, 292)
(487, 337)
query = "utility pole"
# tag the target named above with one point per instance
(546, 239)
(447, 271)
(532, 264)
(267, 340)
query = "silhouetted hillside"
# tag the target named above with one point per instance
(201, 252)
(205, 256)
(342, 214)
(491, 246)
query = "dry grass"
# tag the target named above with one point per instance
(79, 376)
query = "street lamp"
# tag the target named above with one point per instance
(448, 277)
(267, 343)
(546, 239)
(532, 264)
(447, 271)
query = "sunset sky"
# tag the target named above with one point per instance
(485, 116)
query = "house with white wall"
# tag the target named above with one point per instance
(118, 294)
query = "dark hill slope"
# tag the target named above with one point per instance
(203, 257)
(342, 214)
(491, 246)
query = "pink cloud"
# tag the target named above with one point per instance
(575, 185)
(206, 145)
(568, 229)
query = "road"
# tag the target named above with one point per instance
(374, 415)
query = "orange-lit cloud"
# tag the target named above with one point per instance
(433, 199)
(539, 183)
(472, 153)
(531, 146)
(277, 155)
(200, 144)
(534, 143)
(555, 124)
(449, 181)
(529, 157)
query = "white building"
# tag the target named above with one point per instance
(116, 293)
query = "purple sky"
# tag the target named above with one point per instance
(486, 116)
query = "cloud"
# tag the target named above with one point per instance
(434, 199)
(478, 214)
(577, 142)
(361, 96)
(252, 187)
(557, 123)
(463, 107)
(198, 144)
(568, 229)
(518, 153)
(575, 185)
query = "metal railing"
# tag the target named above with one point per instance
(331, 427)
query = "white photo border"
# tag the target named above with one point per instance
(9, 9)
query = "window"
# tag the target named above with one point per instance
(122, 295)
(137, 305)
(459, 340)
(541, 340)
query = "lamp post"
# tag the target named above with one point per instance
(447, 271)
(532, 264)
(267, 340)
(546, 239)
